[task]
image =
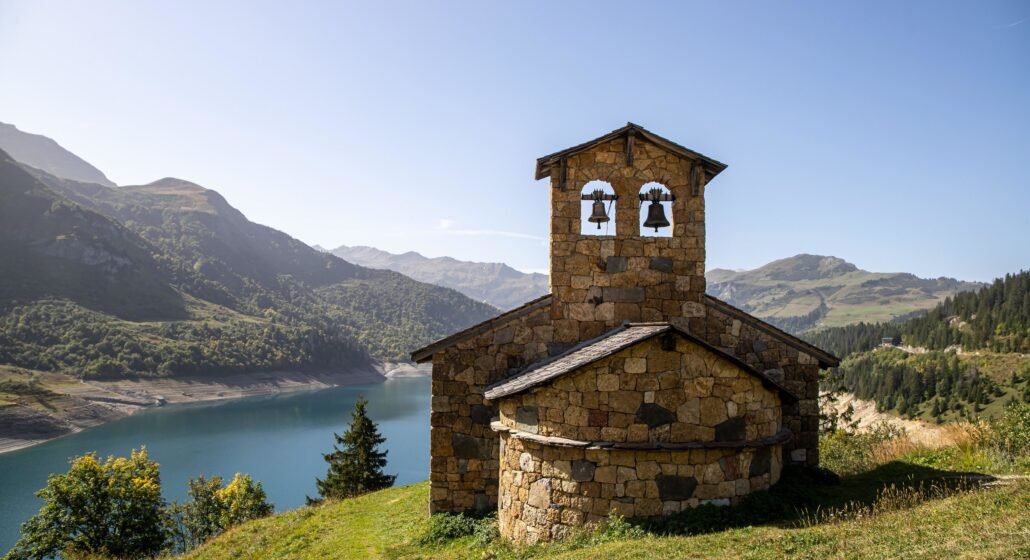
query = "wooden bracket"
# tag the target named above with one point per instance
(696, 176)
(563, 173)
(629, 148)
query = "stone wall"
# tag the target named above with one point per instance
(601, 281)
(665, 389)
(739, 335)
(463, 466)
(546, 491)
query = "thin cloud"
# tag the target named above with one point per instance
(469, 233)
(1015, 23)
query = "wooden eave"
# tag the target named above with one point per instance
(712, 167)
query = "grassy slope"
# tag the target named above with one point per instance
(978, 524)
(796, 286)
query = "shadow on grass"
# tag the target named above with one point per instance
(804, 495)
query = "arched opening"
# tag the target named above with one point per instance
(655, 210)
(597, 209)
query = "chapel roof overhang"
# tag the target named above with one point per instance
(425, 354)
(609, 343)
(712, 167)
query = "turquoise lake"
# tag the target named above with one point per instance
(277, 439)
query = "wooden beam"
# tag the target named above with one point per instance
(695, 178)
(605, 196)
(563, 173)
(629, 147)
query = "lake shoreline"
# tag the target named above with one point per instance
(76, 406)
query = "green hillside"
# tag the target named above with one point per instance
(52, 247)
(168, 279)
(894, 524)
(806, 292)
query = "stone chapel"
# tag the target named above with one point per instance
(627, 388)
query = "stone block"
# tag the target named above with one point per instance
(606, 474)
(468, 447)
(760, 462)
(607, 382)
(676, 488)
(661, 264)
(583, 470)
(732, 429)
(623, 295)
(635, 365)
(713, 411)
(615, 264)
(654, 415)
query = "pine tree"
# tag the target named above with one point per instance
(355, 464)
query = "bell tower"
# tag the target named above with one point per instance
(600, 281)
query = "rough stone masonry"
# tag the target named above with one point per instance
(627, 388)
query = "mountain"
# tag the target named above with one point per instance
(45, 154)
(51, 247)
(494, 283)
(168, 278)
(806, 292)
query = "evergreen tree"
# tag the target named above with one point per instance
(355, 464)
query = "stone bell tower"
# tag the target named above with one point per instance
(599, 281)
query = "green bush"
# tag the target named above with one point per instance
(847, 452)
(213, 508)
(109, 508)
(1010, 434)
(446, 527)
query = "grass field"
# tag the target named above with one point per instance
(897, 510)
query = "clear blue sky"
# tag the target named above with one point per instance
(893, 134)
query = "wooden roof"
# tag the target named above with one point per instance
(711, 166)
(615, 340)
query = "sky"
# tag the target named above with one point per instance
(895, 135)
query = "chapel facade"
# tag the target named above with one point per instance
(627, 388)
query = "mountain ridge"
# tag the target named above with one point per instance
(45, 154)
(495, 283)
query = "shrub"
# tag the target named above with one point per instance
(445, 527)
(1010, 434)
(213, 508)
(848, 452)
(109, 509)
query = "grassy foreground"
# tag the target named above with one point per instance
(869, 516)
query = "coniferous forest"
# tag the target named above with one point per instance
(995, 318)
(966, 357)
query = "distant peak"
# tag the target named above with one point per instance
(45, 154)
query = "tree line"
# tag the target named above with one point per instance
(937, 383)
(995, 318)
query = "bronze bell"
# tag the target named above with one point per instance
(656, 216)
(598, 216)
